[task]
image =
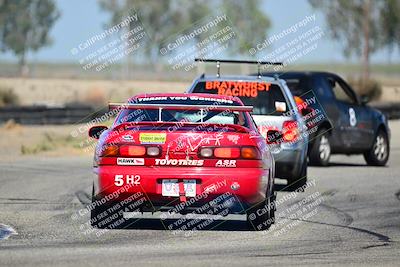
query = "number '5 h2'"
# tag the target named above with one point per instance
(120, 179)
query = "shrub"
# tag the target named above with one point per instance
(95, 97)
(8, 97)
(370, 88)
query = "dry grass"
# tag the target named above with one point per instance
(50, 140)
(61, 91)
(98, 92)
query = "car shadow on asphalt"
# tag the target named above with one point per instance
(286, 188)
(185, 227)
(282, 188)
(343, 164)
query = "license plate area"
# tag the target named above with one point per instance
(170, 187)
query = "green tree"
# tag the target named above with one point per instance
(390, 24)
(355, 23)
(162, 19)
(158, 18)
(192, 12)
(25, 26)
(249, 22)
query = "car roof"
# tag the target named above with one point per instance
(307, 73)
(252, 77)
(233, 98)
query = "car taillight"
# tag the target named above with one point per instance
(227, 152)
(250, 153)
(290, 131)
(134, 151)
(109, 151)
(139, 151)
(130, 150)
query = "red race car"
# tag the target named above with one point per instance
(182, 153)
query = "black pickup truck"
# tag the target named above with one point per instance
(350, 126)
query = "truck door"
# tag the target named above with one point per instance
(351, 122)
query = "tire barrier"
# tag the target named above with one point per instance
(36, 115)
(391, 110)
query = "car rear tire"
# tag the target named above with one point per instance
(105, 215)
(262, 216)
(320, 151)
(378, 155)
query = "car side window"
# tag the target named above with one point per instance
(340, 92)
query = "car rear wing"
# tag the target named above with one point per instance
(180, 107)
(219, 61)
(161, 107)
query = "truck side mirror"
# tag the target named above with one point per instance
(365, 99)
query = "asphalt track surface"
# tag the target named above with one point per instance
(350, 215)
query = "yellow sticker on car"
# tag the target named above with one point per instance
(152, 138)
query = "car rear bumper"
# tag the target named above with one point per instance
(247, 185)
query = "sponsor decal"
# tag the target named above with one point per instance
(152, 138)
(127, 137)
(227, 163)
(184, 98)
(202, 98)
(130, 161)
(233, 138)
(179, 162)
(156, 98)
(237, 88)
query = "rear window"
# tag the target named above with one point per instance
(266, 98)
(179, 115)
(297, 83)
(294, 86)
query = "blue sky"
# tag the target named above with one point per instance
(81, 19)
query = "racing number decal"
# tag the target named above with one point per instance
(353, 119)
(120, 179)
